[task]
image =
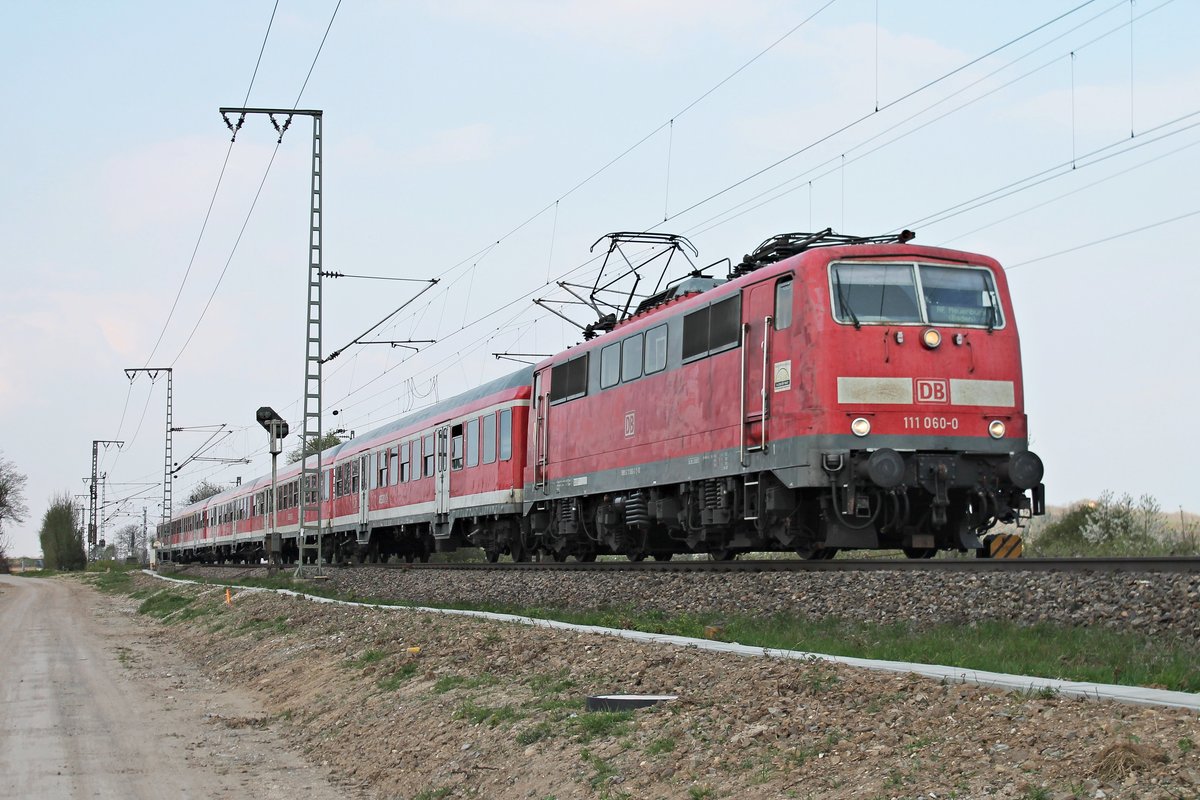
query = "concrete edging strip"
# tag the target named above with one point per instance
(1137, 695)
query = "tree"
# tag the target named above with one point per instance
(12, 493)
(12, 503)
(130, 541)
(202, 491)
(315, 445)
(62, 542)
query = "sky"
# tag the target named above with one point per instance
(490, 144)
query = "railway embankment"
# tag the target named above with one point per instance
(418, 705)
(1150, 603)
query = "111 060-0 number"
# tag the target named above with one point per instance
(930, 424)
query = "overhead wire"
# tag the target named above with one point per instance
(574, 188)
(258, 192)
(220, 178)
(810, 172)
(212, 200)
(1104, 240)
(1075, 191)
(884, 107)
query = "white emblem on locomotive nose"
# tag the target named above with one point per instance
(932, 391)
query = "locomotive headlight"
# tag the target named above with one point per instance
(931, 338)
(861, 426)
(996, 429)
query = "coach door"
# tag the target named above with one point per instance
(541, 406)
(364, 484)
(758, 306)
(441, 477)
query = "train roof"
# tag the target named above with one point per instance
(522, 377)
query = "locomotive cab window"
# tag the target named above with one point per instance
(875, 293)
(915, 294)
(957, 296)
(783, 304)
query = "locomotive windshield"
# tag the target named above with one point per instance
(875, 294)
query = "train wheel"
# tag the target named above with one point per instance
(586, 557)
(723, 554)
(662, 556)
(816, 553)
(559, 556)
(638, 556)
(492, 555)
(920, 552)
(518, 552)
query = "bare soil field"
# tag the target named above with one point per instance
(415, 705)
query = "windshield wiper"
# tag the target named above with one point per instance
(837, 279)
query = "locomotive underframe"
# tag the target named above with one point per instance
(919, 501)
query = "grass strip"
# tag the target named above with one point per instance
(1091, 654)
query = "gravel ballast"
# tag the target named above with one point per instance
(1148, 603)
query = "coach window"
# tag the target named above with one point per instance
(381, 466)
(631, 358)
(394, 465)
(610, 365)
(783, 304)
(414, 464)
(489, 439)
(354, 476)
(404, 470)
(505, 434)
(656, 349)
(473, 442)
(427, 452)
(569, 379)
(456, 447)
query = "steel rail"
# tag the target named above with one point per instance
(1162, 564)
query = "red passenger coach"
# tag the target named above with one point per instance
(833, 393)
(446, 475)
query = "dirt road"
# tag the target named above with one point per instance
(95, 703)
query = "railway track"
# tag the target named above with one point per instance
(1163, 564)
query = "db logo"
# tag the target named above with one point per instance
(629, 418)
(932, 391)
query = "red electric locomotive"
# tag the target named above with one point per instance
(829, 393)
(834, 392)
